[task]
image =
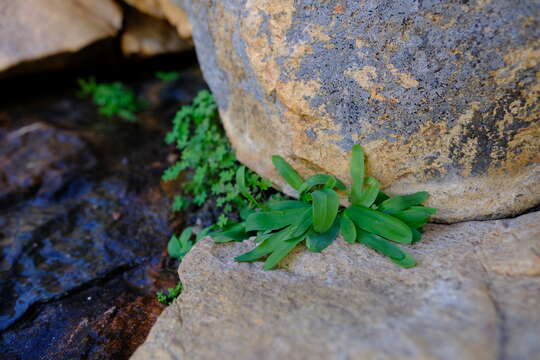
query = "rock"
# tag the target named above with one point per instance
(173, 11)
(39, 159)
(166, 9)
(35, 29)
(442, 95)
(150, 7)
(148, 36)
(473, 295)
(80, 267)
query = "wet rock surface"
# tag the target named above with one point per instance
(84, 220)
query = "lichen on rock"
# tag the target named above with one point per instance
(443, 96)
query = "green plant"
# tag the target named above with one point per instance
(167, 76)
(172, 293)
(112, 99)
(179, 246)
(208, 160)
(374, 219)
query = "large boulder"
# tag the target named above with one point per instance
(443, 95)
(474, 295)
(35, 29)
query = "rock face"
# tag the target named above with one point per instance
(148, 36)
(474, 295)
(38, 159)
(150, 7)
(166, 9)
(443, 95)
(34, 29)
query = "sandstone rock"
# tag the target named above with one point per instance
(443, 95)
(34, 29)
(150, 7)
(147, 36)
(173, 11)
(166, 9)
(474, 295)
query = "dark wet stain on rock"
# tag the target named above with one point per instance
(84, 220)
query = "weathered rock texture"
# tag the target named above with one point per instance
(34, 29)
(474, 295)
(145, 35)
(443, 95)
(37, 35)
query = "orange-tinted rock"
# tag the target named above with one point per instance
(148, 36)
(443, 96)
(35, 29)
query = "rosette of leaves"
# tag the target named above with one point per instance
(378, 221)
(374, 219)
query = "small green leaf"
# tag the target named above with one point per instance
(381, 196)
(386, 248)
(370, 192)
(271, 242)
(241, 183)
(265, 247)
(178, 247)
(317, 242)
(287, 204)
(281, 251)
(302, 225)
(357, 173)
(381, 224)
(203, 233)
(318, 179)
(402, 202)
(233, 232)
(325, 209)
(415, 216)
(340, 185)
(416, 235)
(287, 172)
(173, 247)
(274, 219)
(348, 230)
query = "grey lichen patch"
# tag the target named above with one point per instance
(436, 64)
(443, 95)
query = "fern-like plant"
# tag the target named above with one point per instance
(209, 161)
(112, 99)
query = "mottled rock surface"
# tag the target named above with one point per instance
(474, 295)
(443, 95)
(35, 29)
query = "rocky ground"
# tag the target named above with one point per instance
(475, 294)
(84, 219)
